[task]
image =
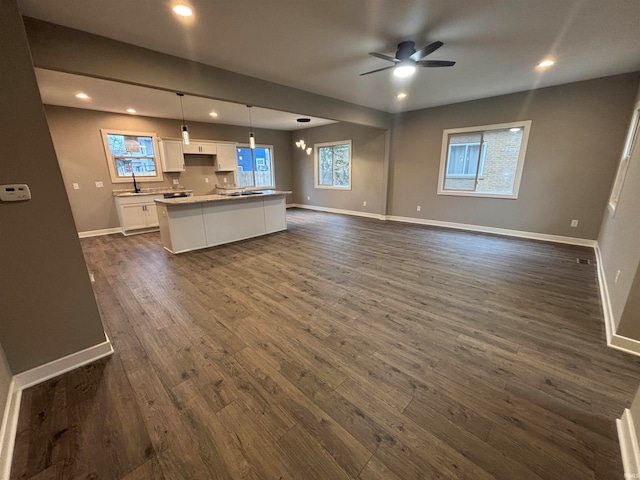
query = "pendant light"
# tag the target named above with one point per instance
(185, 130)
(252, 139)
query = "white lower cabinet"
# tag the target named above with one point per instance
(191, 226)
(137, 213)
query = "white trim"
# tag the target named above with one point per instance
(499, 231)
(625, 344)
(62, 365)
(339, 211)
(30, 378)
(97, 233)
(9, 428)
(115, 178)
(315, 164)
(291, 205)
(628, 445)
(444, 154)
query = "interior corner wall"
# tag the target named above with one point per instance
(48, 306)
(78, 143)
(367, 168)
(574, 145)
(620, 248)
(5, 381)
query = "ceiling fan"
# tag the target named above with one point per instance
(408, 58)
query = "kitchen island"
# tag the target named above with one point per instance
(192, 223)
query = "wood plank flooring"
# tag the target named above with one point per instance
(342, 348)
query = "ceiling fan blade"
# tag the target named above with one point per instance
(423, 52)
(384, 57)
(435, 63)
(378, 70)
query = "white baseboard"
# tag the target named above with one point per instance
(340, 211)
(614, 340)
(628, 445)
(499, 231)
(8, 429)
(30, 378)
(97, 233)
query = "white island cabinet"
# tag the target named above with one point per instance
(198, 222)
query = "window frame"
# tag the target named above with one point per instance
(633, 134)
(115, 178)
(316, 164)
(272, 166)
(524, 124)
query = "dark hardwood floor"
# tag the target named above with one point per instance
(341, 348)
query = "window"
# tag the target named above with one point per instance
(463, 160)
(332, 165)
(131, 153)
(484, 161)
(623, 166)
(255, 169)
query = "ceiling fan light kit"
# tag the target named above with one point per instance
(407, 59)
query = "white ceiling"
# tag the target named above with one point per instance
(321, 46)
(57, 88)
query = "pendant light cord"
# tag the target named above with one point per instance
(181, 109)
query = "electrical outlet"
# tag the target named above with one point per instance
(308, 198)
(418, 208)
(224, 180)
(615, 280)
(206, 179)
(76, 186)
(364, 204)
(99, 185)
(91, 277)
(574, 223)
(176, 181)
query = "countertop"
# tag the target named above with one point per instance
(148, 191)
(218, 198)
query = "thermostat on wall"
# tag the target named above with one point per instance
(15, 193)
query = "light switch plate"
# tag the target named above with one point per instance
(99, 185)
(176, 181)
(16, 192)
(76, 186)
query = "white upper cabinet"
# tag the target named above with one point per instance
(226, 160)
(171, 155)
(200, 147)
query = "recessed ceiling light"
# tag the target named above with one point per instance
(82, 96)
(182, 10)
(213, 114)
(131, 110)
(547, 62)
(401, 96)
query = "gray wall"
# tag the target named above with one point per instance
(43, 318)
(571, 159)
(620, 247)
(59, 48)
(630, 319)
(78, 143)
(367, 168)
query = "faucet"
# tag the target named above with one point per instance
(135, 185)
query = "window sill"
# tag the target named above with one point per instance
(460, 193)
(329, 187)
